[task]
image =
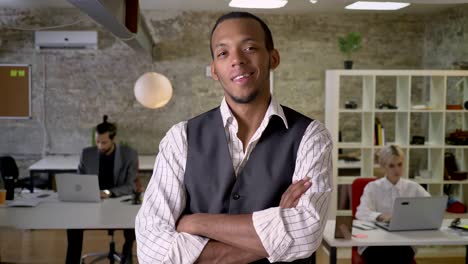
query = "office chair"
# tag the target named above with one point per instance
(357, 189)
(10, 173)
(112, 254)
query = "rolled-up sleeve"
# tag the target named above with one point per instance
(163, 203)
(295, 233)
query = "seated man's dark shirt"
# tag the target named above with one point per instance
(106, 171)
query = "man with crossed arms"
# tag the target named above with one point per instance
(248, 181)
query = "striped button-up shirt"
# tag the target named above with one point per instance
(286, 234)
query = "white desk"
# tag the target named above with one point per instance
(379, 237)
(69, 163)
(107, 214)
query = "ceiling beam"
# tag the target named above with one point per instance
(122, 18)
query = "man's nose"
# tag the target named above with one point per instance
(238, 58)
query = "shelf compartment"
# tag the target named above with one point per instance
(457, 91)
(461, 157)
(350, 127)
(350, 90)
(437, 92)
(385, 92)
(428, 125)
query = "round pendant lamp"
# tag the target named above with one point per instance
(153, 90)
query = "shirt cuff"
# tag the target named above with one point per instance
(271, 230)
(186, 248)
(374, 215)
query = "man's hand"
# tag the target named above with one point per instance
(105, 195)
(291, 196)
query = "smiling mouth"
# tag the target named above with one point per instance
(242, 76)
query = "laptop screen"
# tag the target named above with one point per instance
(78, 187)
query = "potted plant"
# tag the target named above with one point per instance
(349, 44)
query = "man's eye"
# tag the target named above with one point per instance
(250, 48)
(222, 53)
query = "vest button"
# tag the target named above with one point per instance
(236, 196)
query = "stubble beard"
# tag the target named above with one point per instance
(251, 97)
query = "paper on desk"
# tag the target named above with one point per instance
(33, 199)
(23, 203)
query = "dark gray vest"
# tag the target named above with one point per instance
(211, 184)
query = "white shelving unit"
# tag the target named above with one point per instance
(408, 88)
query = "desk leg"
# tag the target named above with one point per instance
(466, 254)
(31, 181)
(332, 252)
(50, 176)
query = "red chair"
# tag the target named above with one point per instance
(357, 189)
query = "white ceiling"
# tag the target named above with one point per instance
(294, 6)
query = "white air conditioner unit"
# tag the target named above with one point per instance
(65, 40)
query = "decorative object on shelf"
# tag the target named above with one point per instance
(466, 105)
(458, 137)
(387, 106)
(417, 140)
(461, 65)
(454, 107)
(351, 104)
(456, 207)
(451, 172)
(153, 90)
(421, 107)
(348, 45)
(425, 174)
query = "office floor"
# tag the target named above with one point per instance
(49, 247)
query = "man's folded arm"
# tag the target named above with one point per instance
(295, 233)
(164, 200)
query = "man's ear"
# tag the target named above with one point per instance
(274, 59)
(214, 75)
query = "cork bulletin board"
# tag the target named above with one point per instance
(15, 91)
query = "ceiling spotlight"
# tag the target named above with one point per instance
(265, 4)
(313, 1)
(366, 5)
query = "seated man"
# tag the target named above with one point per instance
(117, 167)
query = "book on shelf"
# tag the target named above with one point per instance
(379, 133)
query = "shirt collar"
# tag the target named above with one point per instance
(274, 108)
(388, 185)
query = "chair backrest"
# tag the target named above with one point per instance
(357, 188)
(8, 167)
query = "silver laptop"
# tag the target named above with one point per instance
(416, 213)
(78, 187)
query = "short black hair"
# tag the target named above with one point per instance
(106, 127)
(238, 14)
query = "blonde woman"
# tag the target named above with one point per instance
(377, 204)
